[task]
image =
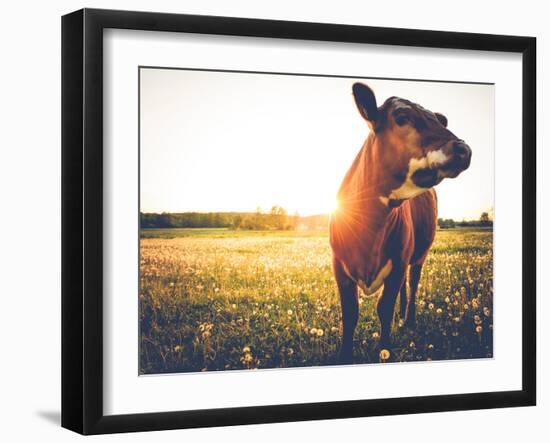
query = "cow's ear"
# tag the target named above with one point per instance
(442, 119)
(365, 102)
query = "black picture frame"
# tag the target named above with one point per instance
(82, 219)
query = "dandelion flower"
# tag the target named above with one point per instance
(430, 346)
(289, 312)
(439, 311)
(486, 311)
(320, 332)
(375, 335)
(246, 349)
(313, 331)
(479, 329)
(431, 306)
(384, 355)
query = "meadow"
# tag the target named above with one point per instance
(215, 299)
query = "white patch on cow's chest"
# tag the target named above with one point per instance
(378, 281)
(409, 189)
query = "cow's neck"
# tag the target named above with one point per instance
(359, 227)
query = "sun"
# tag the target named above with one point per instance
(334, 206)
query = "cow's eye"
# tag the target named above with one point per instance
(402, 119)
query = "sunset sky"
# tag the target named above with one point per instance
(215, 141)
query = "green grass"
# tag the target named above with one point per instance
(214, 299)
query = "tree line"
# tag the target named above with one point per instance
(276, 218)
(483, 221)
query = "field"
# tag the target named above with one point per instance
(220, 299)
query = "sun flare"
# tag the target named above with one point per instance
(335, 206)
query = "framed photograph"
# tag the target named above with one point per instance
(269, 221)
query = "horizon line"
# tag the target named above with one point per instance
(317, 214)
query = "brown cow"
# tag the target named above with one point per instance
(387, 213)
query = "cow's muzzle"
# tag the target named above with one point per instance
(460, 158)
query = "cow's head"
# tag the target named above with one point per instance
(414, 148)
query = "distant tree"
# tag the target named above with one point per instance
(237, 221)
(446, 223)
(165, 220)
(485, 219)
(256, 223)
(278, 218)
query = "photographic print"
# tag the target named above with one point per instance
(291, 220)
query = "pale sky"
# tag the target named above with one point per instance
(216, 141)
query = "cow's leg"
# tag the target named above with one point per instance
(386, 304)
(414, 279)
(350, 310)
